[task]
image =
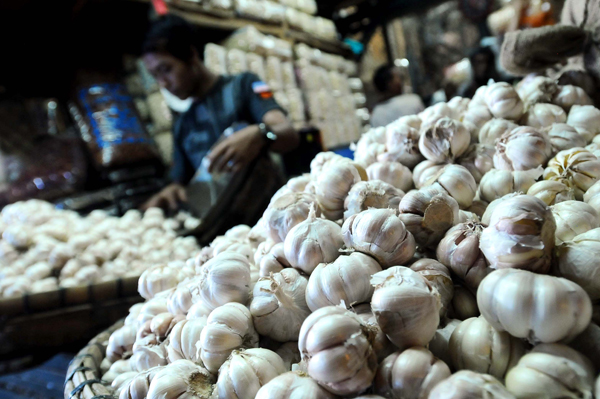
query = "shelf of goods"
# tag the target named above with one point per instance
(498, 293)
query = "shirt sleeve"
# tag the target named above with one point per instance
(258, 96)
(182, 170)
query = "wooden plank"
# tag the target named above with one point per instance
(334, 47)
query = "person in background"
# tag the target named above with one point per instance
(483, 66)
(394, 104)
(240, 104)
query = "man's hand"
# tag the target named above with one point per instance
(168, 197)
(236, 151)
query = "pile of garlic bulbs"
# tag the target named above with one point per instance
(44, 248)
(479, 282)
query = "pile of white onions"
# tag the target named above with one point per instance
(44, 248)
(480, 282)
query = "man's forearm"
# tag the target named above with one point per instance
(287, 138)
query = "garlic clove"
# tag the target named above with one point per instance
(440, 342)
(553, 191)
(458, 182)
(275, 261)
(181, 379)
(464, 304)
(466, 384)
(183, 339)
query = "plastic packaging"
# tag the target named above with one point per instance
(288, 75)
(256, 65)
(237, 61)
(215, 58)
(274, 73)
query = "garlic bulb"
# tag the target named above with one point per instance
(533, 306)
(594, 148)
(298, 184)
(183, 339)
(479, 159)
(410, 374)
(564, 137)
(121, 342)
(181, 379)
(466, 384)
(478, 207)
(459, 106)
(279, 306)
(435, 112)
(393, 173)
(458, 183)
(147, 356)
(311, 242)
(371, 194)
(540, 374)
(570, 95)
(424, 171)
(427, 214)
(591, 196)
(321, 160)
(544, 115)
(586, 119)
(538, 89)
(406, 306)
(494, 129)
(334, 183)
(293, 385)
(366, 154)
(335, 347)
(286, 212)
(381, 234)
(503, 101)
(523, 148)
(275, 261)
(444, 141)
(138, 386)
(577, 259)
(157, 279)
(116, 368)
(520, 235)
(246, 371)
(553, 191)
(475, 118)
(289, 353)
(227, 328)
(478, 99)
(578, 165)
(464, 304)
(459, 251)
(346, 279)
(262, 250)
(475, 345)
(380, 343)
(439, 278)
(402, 145)
(440, 342)
(573, 218)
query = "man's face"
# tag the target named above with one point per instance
(395, 84)
(171, 73)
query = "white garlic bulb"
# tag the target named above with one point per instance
(591, 196)
(121, 342)
(570, 95)
(367, 153)
(444, 141)
(181, 379)
(293, 385)
(543, 116)
(157, 279)
(594, 148)
(381, 234)
(586, 119)
(335, 347)
(286, 212)
(553, 191)
(393, 173)
(466, 384)
(321, 160)
(458, 183)
(537, 307)
(410, 374)
(148, 356)
(564, 137)
(138, 386)
(334, 183)
(497, 183)
(439, 278)
(503, 101)
(464, 304)
(311, 242)
(183, 339)
(459, 106)
(440, 342)
(371, 194)
(406, 306)
(573, 218)
(116, 368)
(402, 145)
(262, 250)
(537, 89)
(435, 112)
(520, 235)
(246, 371)
(479, 159)
(577, 258)
(279, 306)
(425, 171)
(494, 129)
(346, 279)
(522, 148)
(475, 118)
(380, 343)
(275, 261)
(578, 165)
(298, 184)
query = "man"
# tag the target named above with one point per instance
(221, 103)
(483, 65)
(394, 104)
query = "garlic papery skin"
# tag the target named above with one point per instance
(523, 148)
(497, 183)
(572, 219)
(346, 279)
(410, 374)
(439, 345)
(380, 343)
(494, 129)
(335, 347)
(279, 306)
(262, 250)
(466, 384)
(520, 235)
(503, 101)
(478, 207)
(393, 173)
(121, 342)
(138, 386)
(543, 116)
(458, 183)
(578, 165)
(312, 242)
(479, 159)
(334, 183)
(381, 234)
(425, 171)
(293, 385)
(246, 371)
(227, 328)
(564, 137)
(539, 89)
(371, 194)
(459, 251)
(464, 304)
(578, 261)
(475, 345)
(444, 141)
(181, 379)
(568, 96)
(157, 279)
(183, 339)
(549, 375)
(406, 306)
(537, 307)
(439, 278)
(402, 145)
(594, 148)
(286, 212)
(586, 119)
(553, 191)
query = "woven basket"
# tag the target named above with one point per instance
(84, 375)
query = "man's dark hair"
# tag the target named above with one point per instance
(382, 77)
(172, 35)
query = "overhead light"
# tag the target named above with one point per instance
(401, 63)
(346, 12)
